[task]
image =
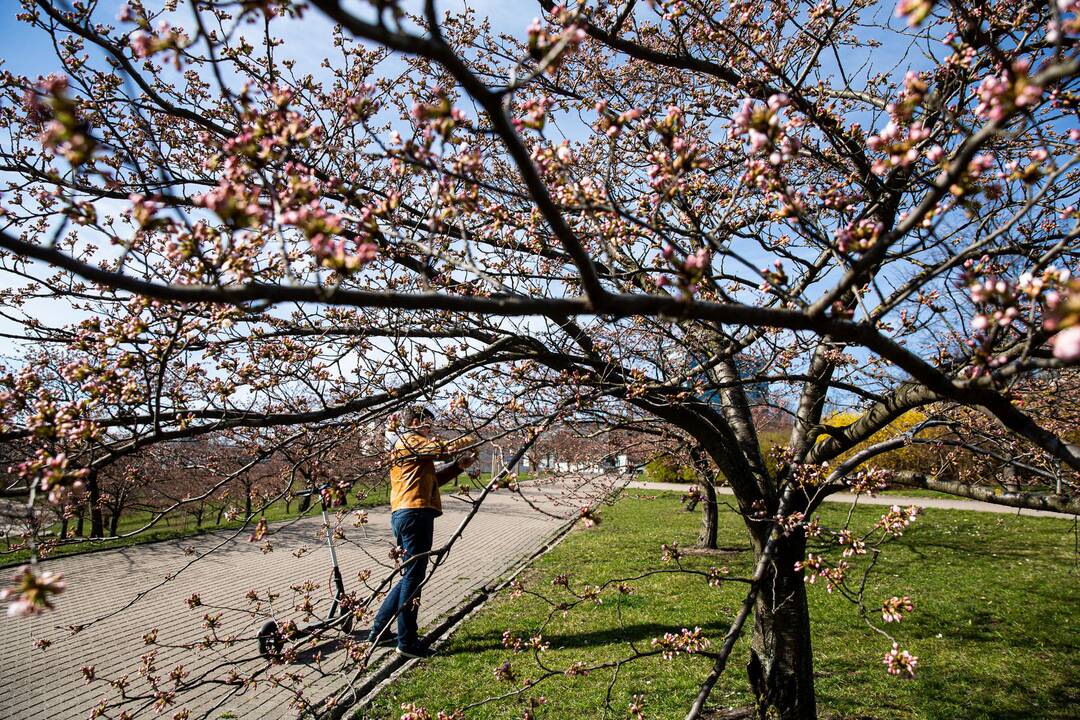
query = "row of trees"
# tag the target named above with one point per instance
(653, 216)
(184, 484)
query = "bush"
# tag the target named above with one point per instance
(664, 468)
(917, 458)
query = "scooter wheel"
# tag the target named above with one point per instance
(270, 641)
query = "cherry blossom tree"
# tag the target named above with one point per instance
(641, 212)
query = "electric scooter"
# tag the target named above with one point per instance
(271, 641)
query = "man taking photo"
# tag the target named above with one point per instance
(415, 502)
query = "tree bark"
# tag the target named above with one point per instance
(709, 518)
(97, 522)
(781, 665)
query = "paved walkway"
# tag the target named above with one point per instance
(48, 685)
(889, 499)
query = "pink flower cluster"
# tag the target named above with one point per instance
(692, 270)
(675, 157)
(790, 523)
(670, 553)
(143, 209)
(859, 236)
(53, 474)
(900, 662)
(361, 106)
(235, 203)
(893, 609)
(898, 519)
(146, 44)
(438, 118)
(685, 641)
(715, 575)
(1064, 317)
(611, 124)
(543, 42)
(1003, 94)
(30, 593)
(869, 480)
(851, 544)
(1067, 21)
(66, 133)
(901, 150)
(808, 475)
(323, 231)
(765, 129)
(914, 11)
(534, 112)
(1055, 289)
(814, 567)
(411, 711)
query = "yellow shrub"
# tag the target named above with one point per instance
(910, 457)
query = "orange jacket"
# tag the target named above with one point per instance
(413, 482)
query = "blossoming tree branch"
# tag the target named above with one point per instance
(660, 218)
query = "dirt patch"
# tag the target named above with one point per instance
(718, 552)
(743, 713)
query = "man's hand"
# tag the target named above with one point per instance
(467, 459)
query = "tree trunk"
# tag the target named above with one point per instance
(114, 523)
(79, 522)
(97, 522)
(709, 520)
(247, 504)
(781, 666)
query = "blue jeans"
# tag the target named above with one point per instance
(413, 531)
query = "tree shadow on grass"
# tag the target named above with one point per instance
(637, 633)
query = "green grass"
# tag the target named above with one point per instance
(920, 493)
(995, 625)
(182, 525)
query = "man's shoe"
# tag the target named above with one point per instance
(387, 640)
(416, 652)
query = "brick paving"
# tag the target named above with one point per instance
(48, 684)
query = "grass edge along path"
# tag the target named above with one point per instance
(995, 625)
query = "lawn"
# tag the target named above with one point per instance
(995, 625)
(181, 525)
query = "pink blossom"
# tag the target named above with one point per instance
(1067, 344)
(915, 11)
(29, 593)
(686, 641)
(899, 661)
(893, 609)
(142, 44)
(697, 261)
